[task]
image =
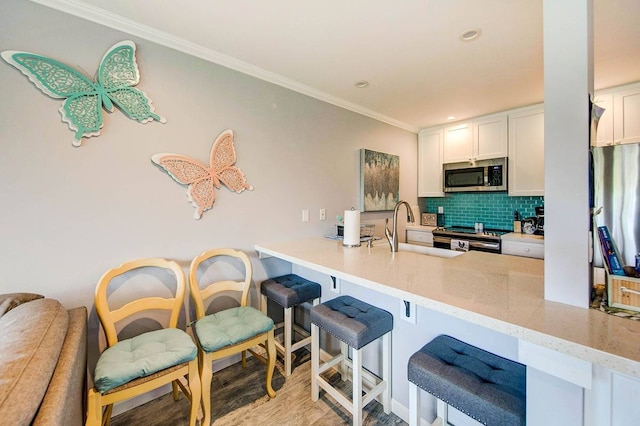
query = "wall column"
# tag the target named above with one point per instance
(568, 83)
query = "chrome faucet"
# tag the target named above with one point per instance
(392, 236)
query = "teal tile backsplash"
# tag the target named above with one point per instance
(494, 210)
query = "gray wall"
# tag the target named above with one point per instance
(68, 214)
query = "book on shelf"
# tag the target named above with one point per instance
(610, 253)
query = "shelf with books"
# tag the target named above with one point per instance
(610, 254)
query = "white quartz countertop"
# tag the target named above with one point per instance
(501, 292)
(423, 228)
(525, 238)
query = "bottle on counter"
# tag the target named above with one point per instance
(517, 224)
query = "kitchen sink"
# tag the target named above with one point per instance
(429, 251)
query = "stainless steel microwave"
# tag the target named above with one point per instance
(483, 175)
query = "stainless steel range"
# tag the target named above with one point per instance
(466, 238)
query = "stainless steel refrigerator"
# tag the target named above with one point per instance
(616, 195)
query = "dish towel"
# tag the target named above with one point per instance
(459, 245)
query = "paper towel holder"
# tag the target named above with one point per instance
(345, 232)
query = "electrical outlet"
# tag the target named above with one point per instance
(323, 214)
(305, 215)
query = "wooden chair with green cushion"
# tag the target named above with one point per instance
(150, 359)
(232, 329)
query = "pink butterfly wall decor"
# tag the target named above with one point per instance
(202, 179)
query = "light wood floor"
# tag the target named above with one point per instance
(239, 398)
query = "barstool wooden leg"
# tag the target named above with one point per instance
(386, 372)
(288, 326)
(315, 361)
(443, 412)
(344, 369)
(263, 304)
(357, 387)
(414, 405)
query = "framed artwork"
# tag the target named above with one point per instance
(379, 180)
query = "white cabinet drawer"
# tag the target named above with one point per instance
(419, 237)
(517, 248)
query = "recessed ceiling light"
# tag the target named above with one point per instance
(361, 84)
(451, 117)
(471, 34)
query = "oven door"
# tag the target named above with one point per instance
(443, 242)
(488, 246)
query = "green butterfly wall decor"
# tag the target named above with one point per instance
(84, 98)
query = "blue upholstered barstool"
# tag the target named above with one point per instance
(484, 386)
(355, 324)
(290, 291)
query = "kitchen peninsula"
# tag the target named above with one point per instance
(501, 293)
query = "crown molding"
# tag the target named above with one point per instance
(120, 23)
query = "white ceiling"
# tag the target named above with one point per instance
(409, 51)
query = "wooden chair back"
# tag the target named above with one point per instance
(201, 292)
(110, 317)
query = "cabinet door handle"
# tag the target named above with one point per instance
(624, 290)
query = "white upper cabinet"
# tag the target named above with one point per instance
(458, 143)
(484, 138)
(526, 151)
(490, 137)
(620, 123)
(430, 162)
(626, 115)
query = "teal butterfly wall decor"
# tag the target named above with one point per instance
(84, 97)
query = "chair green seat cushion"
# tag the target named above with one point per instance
(141, 356)
(230, 327)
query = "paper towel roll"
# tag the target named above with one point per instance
(351, 228)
